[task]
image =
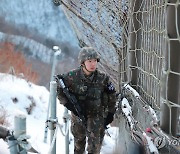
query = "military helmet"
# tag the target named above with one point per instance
(87, 53)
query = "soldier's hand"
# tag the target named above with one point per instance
(108, 119)
(56, 78)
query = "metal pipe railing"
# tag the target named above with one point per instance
(66, 128)
(20, 129)
(53, 118)
(15, 137)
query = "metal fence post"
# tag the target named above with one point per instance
(67, 135)
(20, 129)
(13, 146)
(57, 52)
(53, 88)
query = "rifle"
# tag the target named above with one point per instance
(72, 99)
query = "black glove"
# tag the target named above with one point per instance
(60, 93)
(59, 76)
(108, 119)
(70, 107)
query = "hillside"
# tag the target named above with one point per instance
(34, 27)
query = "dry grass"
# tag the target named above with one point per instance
(3, 117)
(31, 106)
(14, 62)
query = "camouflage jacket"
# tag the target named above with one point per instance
(95, 93)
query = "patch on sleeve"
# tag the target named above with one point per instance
(71, 73)
(110, 88)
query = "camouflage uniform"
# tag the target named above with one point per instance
(96, 96)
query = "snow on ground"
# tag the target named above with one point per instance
(17, 95)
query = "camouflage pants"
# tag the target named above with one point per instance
(95, 135)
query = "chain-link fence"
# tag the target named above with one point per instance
(152, 57)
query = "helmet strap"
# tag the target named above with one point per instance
(84, 66)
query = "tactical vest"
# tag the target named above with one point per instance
(90, 94)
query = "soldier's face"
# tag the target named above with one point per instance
(91, 64)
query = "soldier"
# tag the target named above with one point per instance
(96, 97)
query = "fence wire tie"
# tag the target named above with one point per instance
(53, 140)
(51, 123)
(67, 129)
(66, 117)
(22, 141)
(47, 123)
(13, 145)
(55, 122)
(55, 134)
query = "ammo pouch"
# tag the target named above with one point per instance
(90, 97)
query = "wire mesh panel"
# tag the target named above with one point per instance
(147, 48)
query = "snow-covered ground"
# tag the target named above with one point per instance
(16, 95)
